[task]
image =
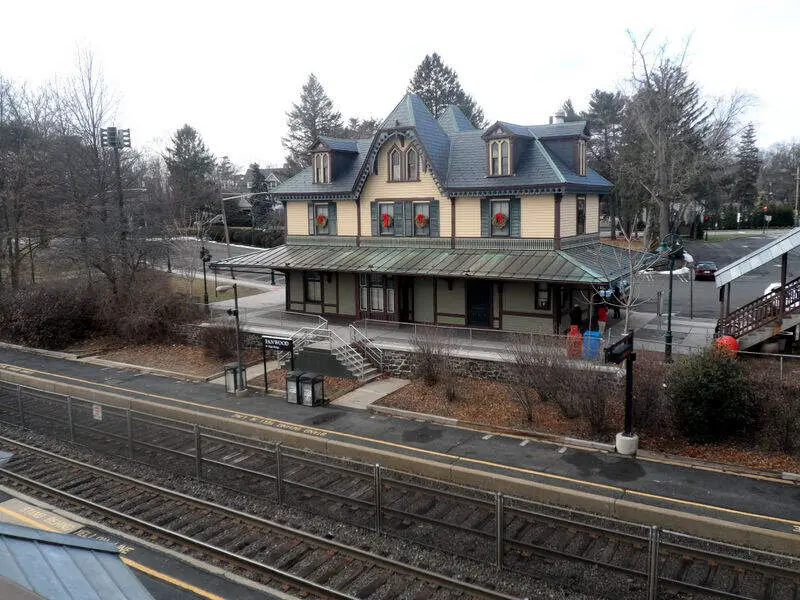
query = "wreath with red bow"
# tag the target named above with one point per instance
(387, 220)
(500, 220)
(421, 220)
(322, 220)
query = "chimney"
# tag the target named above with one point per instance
(558, 117)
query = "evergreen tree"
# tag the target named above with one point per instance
(259, 201)
(191, 175)
(748, 165)
(570, 115)
(312, 117)
(438, 86)
(359, 129)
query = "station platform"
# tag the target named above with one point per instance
(762, 506)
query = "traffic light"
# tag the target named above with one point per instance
(766, 208)
(706, 218)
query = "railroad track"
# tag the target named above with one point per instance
(519, 536)
(261, 549)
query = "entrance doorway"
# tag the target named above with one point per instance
(479, 303)
(405, 299)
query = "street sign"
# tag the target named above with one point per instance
(620, 350)
(277, 343)
(768, 218)
(97, 412)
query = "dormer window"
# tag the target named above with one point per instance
(582, 158)
(322, 167)
(499, 157)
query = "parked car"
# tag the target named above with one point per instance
(624, 287)
(705, 270)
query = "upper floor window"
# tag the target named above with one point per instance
(412, 165)
(499, 157)
(500, 218)
(582, 158)
(322, 167)
(580, 214)
(321, 219)
(422, 219)
(386, 218)
(403, 165)
(395, 165)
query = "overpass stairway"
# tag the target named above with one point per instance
(763, 318)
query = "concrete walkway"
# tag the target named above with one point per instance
(370, 393)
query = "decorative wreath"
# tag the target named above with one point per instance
(322, 220)
(421, 220)
(387, 220)
(500, 220)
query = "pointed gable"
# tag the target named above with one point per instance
(453, 120)
(411, 113)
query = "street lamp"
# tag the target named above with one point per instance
(205, 256)
(241, 384)
(670, 246)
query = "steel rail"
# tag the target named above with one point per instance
(477, 591)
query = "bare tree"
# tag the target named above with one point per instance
(433, 358)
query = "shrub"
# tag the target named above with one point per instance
(51, 315)
(652, 409)
(219, 341)
(432, 352)
(778, 405)
(711, 396)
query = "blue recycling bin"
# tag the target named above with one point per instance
(591, 344)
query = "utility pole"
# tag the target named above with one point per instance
(111, 137)
(796, 195)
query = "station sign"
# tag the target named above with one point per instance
(277, 343)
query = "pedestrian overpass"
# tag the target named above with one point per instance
(768, 315)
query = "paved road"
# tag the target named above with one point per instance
(705, 300)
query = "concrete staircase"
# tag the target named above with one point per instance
(764, 317)
(322, 339)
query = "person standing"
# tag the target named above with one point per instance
(602, 315)
(616, 301)
(576, 316)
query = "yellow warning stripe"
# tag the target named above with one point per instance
(127, 561)
(475, 461)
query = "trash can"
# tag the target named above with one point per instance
(231, 377)
(573, 342)
(293, 387)
(591, 344)
(312, 390)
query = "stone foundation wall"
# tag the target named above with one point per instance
(400, 363)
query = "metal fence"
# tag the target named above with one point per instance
(260, 468)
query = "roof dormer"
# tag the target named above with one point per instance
(328, 156)
(502, 146)
(321, 165)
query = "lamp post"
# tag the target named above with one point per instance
(205, 256)
(671, 245)
(241, 384)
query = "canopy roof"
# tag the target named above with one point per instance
(593, 263)
(758, 258)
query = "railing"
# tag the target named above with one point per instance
(306, 336)
(762, 311)
(372, 352)
(347, 354)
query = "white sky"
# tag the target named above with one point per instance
(232, 69)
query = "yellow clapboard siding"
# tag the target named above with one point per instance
(346, 218)
(296, 218)
(592, 213)
(568, 215)
(468, 217)
(377, 188)
(538, 216)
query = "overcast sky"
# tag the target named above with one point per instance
(233, 69)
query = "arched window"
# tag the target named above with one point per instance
(395, 169)
(494, 164)
(322, 168)
(412, 165)
(499, 157)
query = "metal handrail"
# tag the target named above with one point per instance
(762, 311)
(305, 336)
(371, 350)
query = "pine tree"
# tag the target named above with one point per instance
(261, 206)
(748, 165)
(359, 129)
(191, 175)
(312, 117)
(438, 86)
